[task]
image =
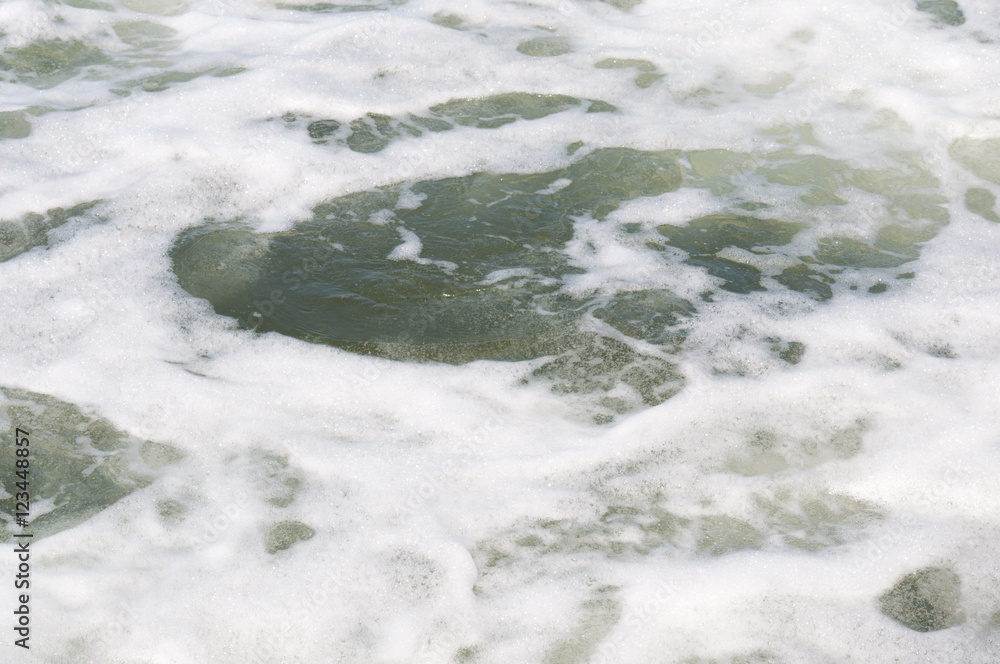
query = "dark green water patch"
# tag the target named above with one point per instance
(374, 131)
(80, 464)
(594, 364)
(647, 75)
(624, 5)
(284, 534)
(477, 267)
(545, 47)
(17, 237)
(470, 272)
(982, 202)
(162, 81)
(848, 252)
(945, 11)
(981, 156)
(789, 351)
(652, 316)
(90, 4)
(453, 21)
(452, 270)
(145, 34)
(804, 280)
(333, 8)
(736, 277)
(14, 124)
(708, 235)
(46, 63)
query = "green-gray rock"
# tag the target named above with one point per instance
(946, 11)
(284, 534)
(926, 600)
(545, 47)
(14, 124)
(981, 156)
(982, 202)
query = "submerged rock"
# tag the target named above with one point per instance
(374, 131)
(926, 600)
(982, 202)
(284, 534)
(456, 270)
(946, 11)
(981, 156)
(543, 47)
(14, 124)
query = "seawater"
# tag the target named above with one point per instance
(563, 331)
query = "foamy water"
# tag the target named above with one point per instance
(566, 331)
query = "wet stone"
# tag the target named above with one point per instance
(483, 112)
(371, 133)
(880, 287)
(804, 280)
(330, 8)
(161, 82)
(285, 534)
(624, 5)
(452, 21)
(982, 202)
(171, 511)
(736, 277)
(91, 4)
(981, 156)
(14, 124)
(374, 132)
(848, 252)
(647, 315)
(143, 34)
(724, 534)
(791, 351)
(946, 11)
(598, 363)
(904, 240)
(646, 80)
(545, 47)
(158, 7)
(707, 235)
(926, 600)
(322, 128)
(647, 70)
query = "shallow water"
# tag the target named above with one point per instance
(569, 331)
